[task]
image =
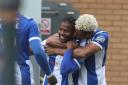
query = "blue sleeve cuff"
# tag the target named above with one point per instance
(69, 50)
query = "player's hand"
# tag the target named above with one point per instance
(50, 50)
(71, 45)
(52, 80)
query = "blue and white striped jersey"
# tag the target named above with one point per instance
(55, 64)
(69, 69)
(92, 72)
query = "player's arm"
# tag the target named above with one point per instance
(51, 50)
(97, 44)
(69, 64)
(53, 41)
(54, 46)
(38, 51)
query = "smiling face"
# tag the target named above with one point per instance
(66, 32)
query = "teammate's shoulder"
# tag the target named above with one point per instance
(26, 18)
(100, 31)
(101, 36)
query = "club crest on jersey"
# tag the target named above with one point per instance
(100, 39)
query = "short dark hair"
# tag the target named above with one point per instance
(70, 19)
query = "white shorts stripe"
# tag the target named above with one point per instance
(31, 71)
(18, 79)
